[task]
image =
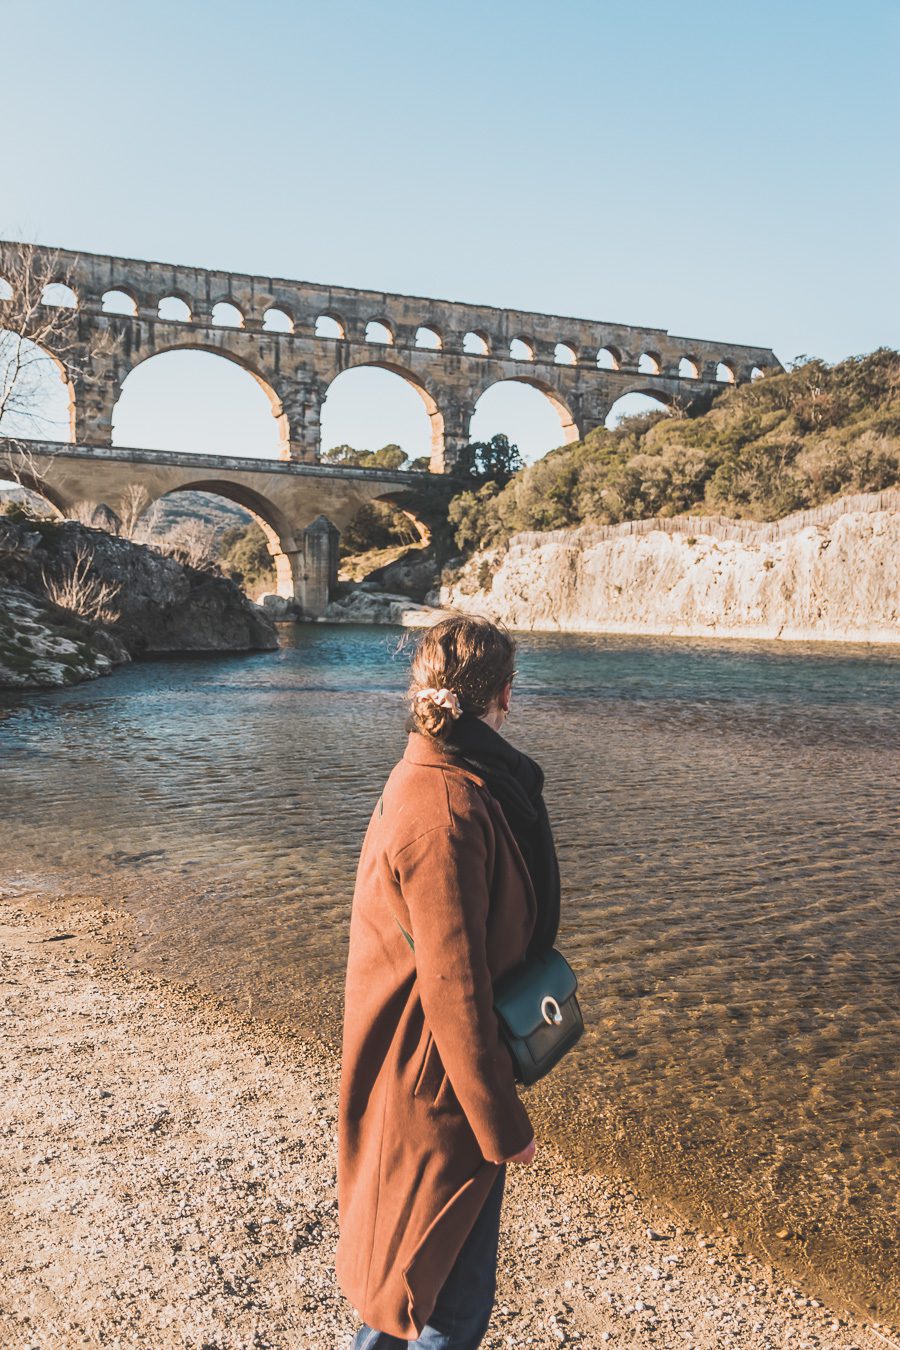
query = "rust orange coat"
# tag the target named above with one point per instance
(428, 1105)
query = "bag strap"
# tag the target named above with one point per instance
(404, 932)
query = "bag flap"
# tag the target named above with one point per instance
(519, 992)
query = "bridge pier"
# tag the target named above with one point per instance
(316, 567)
(450, 443)
(302, 400)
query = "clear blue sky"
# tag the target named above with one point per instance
(720, 170)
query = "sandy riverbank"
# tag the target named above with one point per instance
(168, 1181)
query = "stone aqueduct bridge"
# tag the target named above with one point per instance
(450, 353)
(296, 367)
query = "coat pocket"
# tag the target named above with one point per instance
(432, 1075)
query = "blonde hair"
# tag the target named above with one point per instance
(463, 656)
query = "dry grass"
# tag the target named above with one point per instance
(76, 589)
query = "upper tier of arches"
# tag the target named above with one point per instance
(275, 315)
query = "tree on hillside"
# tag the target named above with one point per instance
(496, 460)
(39, 336)
(388, 457)
(792, 440)
(244, 556)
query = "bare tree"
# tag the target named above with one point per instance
(84, 511)
(132, 504)
(38, 334)
(191, 541)
(76, 589)
(147, 530)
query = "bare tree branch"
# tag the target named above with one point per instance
(40, 340)
(192, 542)
(75, 588)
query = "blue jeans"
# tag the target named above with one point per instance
(464, 1305)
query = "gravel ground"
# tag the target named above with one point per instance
(167, 1180)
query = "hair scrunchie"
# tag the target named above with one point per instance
(444, 698)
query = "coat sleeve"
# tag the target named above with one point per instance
(443, 878)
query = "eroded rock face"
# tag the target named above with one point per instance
(413, 575)
(836, 580)
(159, 605)
(164, 605)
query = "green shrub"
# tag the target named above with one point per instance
(378, 525)
(763, 449)
(244, 554)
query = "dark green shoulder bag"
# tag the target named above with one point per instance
(537, 1011)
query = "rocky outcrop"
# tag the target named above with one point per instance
(831, 573)
(280, 608)
(156, 604)
(413, 574)
(43, 646)
(364, 605)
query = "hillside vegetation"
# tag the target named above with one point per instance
(780, 444)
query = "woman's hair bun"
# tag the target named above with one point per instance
(460, 664)
(432, 718)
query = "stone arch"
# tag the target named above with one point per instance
(660, 394)
(725, 373)
(426, 393)
(179, 298)
(407, 503)
(689, 368)
(476, 343)
(277, 319)
(653, 392)
(649, 363)
(29, 482)
(59, 294)
(429, 338)
(564, 354)
(560, 407)
(118, 300)
(201, 345)
(521, 348)
(280, 538)
(379, 332)
(64, 376)
(609, 358)
(223, 314)
(325, 321)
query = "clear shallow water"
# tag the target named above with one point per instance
(726, 816)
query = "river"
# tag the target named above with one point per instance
(727, 823)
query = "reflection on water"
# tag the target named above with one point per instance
(726, 817)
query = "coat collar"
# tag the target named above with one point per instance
(426, 751)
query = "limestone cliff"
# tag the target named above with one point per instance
(830, 573)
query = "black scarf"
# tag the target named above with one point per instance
(517, 782)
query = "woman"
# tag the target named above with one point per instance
(459, 854)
